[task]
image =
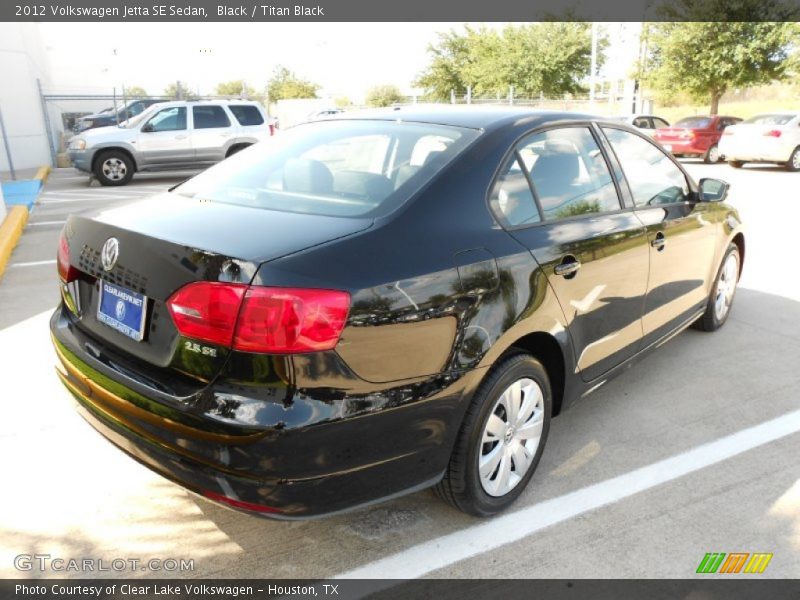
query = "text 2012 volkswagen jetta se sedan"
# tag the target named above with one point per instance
(372, 305)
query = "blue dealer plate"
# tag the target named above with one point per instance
(122, 309)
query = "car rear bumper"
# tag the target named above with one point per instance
(328, 465)
(756, 151)
(682, 147)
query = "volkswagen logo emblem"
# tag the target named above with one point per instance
(110, 253)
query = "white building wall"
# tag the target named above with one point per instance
(22, 62)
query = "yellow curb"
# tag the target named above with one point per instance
(43, 173)
(10, 231)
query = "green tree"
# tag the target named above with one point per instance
(706, 59)
(285, 85)
(383, 95)
(237, 87)
(135, 91)
(538, 58)
(171, 91)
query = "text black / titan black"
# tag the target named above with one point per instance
(385, 301)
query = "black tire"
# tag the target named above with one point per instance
(461, 485)
(236, 148)
(113, 168)
(736, 164)
(711, 156)
(711, 321)
(793, 164)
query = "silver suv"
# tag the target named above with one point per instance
(169, 136)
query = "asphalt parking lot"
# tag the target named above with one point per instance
(692, 451)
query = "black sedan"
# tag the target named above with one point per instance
(383, 302)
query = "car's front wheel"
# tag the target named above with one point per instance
(721, 299)
(113, 168)
(793, 164)
(502, 438)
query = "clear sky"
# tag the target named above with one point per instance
(344, 58)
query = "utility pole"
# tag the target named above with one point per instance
(593, 67)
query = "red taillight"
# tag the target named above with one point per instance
(239, 503)
(207, 311)
(776, 133)
(290, 320)
(66, 272)
(260, 319)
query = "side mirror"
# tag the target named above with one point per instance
(148, 128)
(713, 190)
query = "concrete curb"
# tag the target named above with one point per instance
(43, 173)
(14, 223)
(10, 232)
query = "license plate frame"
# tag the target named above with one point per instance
(128, 310)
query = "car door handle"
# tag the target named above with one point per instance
(180, 137)
(225, 134)
(567, 269)
(659, 242)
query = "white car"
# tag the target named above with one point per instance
(169, 136)
(647, 123)
(768, 138)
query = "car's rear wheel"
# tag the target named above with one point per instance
(736, 164)
(721, 299)
(793, 164)
(502, 438)
(236, 148)
(113, 168)
(712, 155)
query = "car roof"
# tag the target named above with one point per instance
(483, 117)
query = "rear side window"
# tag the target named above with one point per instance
(658, 123)
(209, 117)
(652, 177)
(569, 173)
(347, 168)
(511, 199)
(247, 114)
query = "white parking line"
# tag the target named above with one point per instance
(35, 263)
(438, 553)
(42, 223)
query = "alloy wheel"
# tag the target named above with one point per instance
(114, 169)
(726, 286)
(511, 437)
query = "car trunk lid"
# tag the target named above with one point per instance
(164, 243)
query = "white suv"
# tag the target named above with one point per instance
(169, 136)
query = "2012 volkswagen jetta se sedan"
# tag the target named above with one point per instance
(383, 302)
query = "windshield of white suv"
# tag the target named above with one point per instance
(348, 168)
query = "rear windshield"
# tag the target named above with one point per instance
(770, 119)
(348, 168)
(694, 123)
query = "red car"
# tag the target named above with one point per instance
(695, 136)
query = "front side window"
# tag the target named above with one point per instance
(659, 123)
(652, 176)
(569, 173)
(347, 168)
(210, 117)
(168, 119)
(511, 198)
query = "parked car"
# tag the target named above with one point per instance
(384, 302)
(112, 116)
(770, 138)
(169, 136)
(696, 136)
(323, 114)
(646, 123)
